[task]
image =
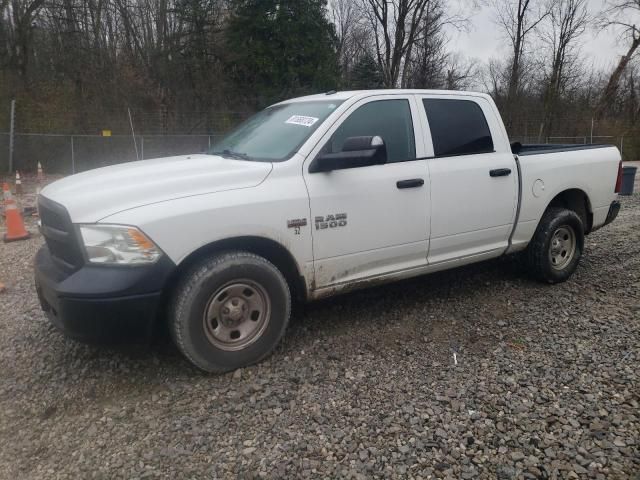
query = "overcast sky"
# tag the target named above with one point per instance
(484, 40)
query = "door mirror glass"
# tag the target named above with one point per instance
(362, 151)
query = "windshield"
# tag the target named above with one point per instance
(276, 133)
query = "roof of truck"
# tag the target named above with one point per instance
(346, 94)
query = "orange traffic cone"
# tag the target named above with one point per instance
(15, 225)
(18, 183)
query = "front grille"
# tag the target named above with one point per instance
(59, 234)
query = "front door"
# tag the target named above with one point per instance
(369, 221)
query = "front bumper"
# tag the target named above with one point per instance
(101, 303)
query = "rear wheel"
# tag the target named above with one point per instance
(556, 247)
(229, 311)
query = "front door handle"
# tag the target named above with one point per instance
(412, 183)
(500, 172)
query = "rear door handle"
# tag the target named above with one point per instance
(500, 172)
(411, 183)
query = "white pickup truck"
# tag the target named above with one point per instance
(309, 198)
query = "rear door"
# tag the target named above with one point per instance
(364, 222)
(473, 177)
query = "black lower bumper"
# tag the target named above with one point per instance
(614, 208)
(101, 303)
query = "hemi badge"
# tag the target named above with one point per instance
(297, 222)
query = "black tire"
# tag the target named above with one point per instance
(194, 295)
(538, 255)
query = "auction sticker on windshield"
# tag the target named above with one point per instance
(301, 120)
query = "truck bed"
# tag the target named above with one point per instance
(536, 149)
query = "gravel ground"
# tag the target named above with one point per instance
(546, 384)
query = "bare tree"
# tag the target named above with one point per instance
(344, 16)
(630, 104)
(396, 26)
(461, 73)
(19, 18)
(352, 35)
(494, 80)
(616, 16)
(567, 21)
(517, 19)
(426, 65)
(431, 63)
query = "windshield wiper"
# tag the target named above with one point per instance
(230, 153)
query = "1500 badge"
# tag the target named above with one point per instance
(331, 221)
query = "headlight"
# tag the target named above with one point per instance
(118, 245)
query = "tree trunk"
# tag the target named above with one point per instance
(614, 80)
(514, 78)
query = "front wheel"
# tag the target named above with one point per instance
(230, 311)
(556, 247)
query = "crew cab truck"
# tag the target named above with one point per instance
(309, 198)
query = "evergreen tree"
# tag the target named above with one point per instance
(366, 74)
(281, 48)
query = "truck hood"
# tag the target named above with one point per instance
(93, 195)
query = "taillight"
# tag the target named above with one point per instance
(619, 179)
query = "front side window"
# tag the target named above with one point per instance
(388, 119)
(276, 133)
(458, 127)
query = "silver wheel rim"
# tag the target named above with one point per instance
(562, 247)
(236, 315)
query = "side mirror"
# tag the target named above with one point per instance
(356, 152)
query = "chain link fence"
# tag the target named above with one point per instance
(67, 154)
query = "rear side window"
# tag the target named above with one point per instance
(458, 127)
(389, 119)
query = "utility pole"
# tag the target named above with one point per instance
(12, 126)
